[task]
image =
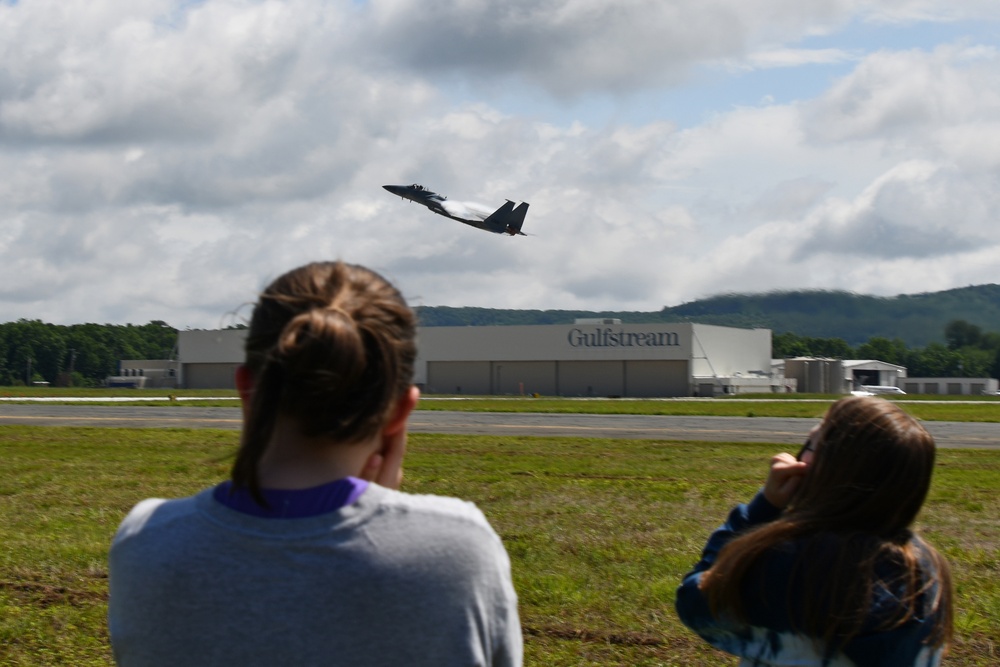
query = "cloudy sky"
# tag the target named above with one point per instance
(164, 159)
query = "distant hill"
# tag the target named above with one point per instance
(917, 319)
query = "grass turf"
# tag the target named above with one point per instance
(599, 532)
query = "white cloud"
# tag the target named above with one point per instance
(571, 48)
(163, 159)
(783, 57)
(904, 95)
(915, 210)
(915, 11)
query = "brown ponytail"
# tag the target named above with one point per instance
(331, 346)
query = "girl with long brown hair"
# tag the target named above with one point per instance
(822, 567)
(309, 555)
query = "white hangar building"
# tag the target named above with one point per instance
(588, 358)
(602, 358)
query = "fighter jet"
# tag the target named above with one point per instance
(504, 220)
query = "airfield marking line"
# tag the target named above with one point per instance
(119, 419)
(580, 427)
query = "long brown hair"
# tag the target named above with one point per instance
(331, 346)
(870, 474)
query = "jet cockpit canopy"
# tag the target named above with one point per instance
(419, 188)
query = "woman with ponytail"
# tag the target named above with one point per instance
(822, 568)
(309, 554)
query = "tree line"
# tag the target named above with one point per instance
(86, 354)
(81, 355)
(968, 351)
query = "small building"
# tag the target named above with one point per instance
(209, 357)
(817, 375)
(814, 375)
(145, 374)
(951, 386)
(860, 372)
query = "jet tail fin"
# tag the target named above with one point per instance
(517, 219)
(507, 219)
(498, 219)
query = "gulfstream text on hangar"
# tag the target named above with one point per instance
(610, 338)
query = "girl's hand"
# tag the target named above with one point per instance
(390, 471)
(385, 467)
(783, 479)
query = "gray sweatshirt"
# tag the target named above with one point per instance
(393, 579)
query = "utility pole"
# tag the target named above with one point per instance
(66, 377)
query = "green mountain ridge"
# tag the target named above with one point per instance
(916, 319)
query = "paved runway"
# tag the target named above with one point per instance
(729, 429)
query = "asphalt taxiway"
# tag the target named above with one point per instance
(979, 435)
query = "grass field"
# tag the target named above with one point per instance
(599, 532)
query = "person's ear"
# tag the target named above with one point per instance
(407, 402)
(244, 386)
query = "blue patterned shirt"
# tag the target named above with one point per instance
(768, 637)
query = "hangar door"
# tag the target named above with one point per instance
(209, 376)
(646, 379)
(563, 378)
(591, 378)
(458, 377)
(524, 377)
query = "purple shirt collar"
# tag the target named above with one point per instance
(292, 503)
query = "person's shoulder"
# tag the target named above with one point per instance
(427, 508)
(924, 549)
(153, 512)
(462, 510)
(425, 526)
